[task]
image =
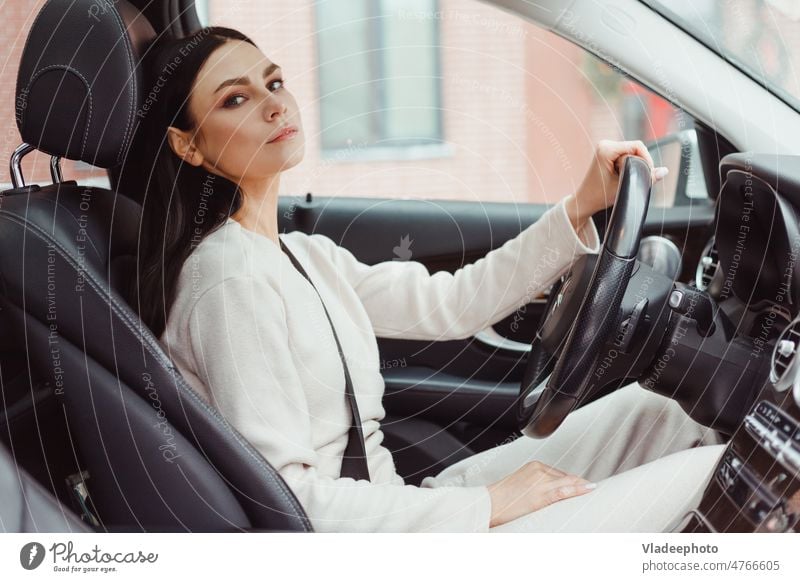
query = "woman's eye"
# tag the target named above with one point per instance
(233, 100)
(271, 84)
(237, 99)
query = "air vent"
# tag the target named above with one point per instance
(783, 356)
(707, 266)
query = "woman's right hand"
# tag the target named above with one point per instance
(530, 488)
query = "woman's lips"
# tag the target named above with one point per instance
(286, 133)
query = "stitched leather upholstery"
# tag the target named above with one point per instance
(158, 457)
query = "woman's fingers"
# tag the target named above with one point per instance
(555, 471)
(555, 477)
(530, 488)
(637, 148)
(622, 149)
(570, 486)
(547, 469)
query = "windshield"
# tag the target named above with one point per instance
(761, 37)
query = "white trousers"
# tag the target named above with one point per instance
(651, 462)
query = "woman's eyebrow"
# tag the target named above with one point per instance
(245, 80)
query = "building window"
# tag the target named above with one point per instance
(379, 75)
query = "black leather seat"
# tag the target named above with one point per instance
(157, 456)
(27, 506)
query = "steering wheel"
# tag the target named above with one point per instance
(562, 371)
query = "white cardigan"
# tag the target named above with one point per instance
(248, 332)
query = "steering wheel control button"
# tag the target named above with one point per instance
(696, 305)
(675, 299)
(629, 325)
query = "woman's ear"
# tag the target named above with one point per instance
(183, 146)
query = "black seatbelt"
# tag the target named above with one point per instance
(354, 462)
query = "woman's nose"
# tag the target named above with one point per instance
(274, 107)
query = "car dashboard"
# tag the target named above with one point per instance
(750, 269)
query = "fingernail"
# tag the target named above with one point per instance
(589, 485)
(660, 172)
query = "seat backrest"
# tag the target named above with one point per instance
(157, 455)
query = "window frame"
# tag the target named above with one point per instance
(659, 8)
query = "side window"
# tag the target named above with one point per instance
(668, 132)
(453, 100)
(428, 99)
(379, 80)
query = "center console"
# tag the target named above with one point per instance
(756, 484)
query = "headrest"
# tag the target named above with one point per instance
(78, 86)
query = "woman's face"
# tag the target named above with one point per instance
(239, 106)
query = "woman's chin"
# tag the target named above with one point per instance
(295, 156)
(278, 161)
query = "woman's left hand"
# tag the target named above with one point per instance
(598, 190)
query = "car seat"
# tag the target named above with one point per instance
(29, 507)
(154, 456)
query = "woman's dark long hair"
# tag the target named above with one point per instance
(182, 203)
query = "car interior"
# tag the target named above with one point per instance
(101, 433)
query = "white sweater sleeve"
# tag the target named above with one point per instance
(403, 300)
(238, 337)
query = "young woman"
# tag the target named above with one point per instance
(251, 334)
